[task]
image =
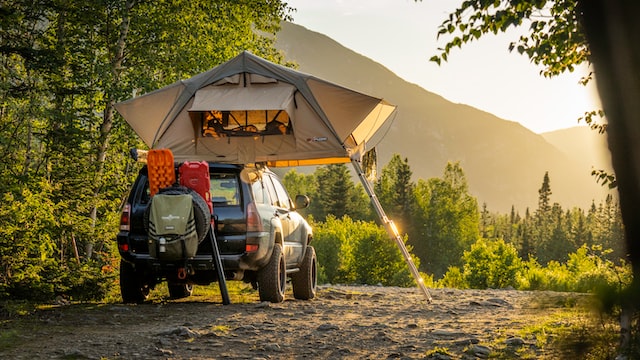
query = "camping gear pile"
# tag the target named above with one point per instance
(180, 215)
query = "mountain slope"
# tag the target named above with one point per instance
(583, 145)
(504, 162)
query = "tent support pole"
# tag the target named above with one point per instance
(391, 229)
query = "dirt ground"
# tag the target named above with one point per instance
(343, 322)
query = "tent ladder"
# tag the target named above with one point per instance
(391, 229)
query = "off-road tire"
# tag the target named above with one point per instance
(179, 291)
(132, 287)
(305, 281)
(272, 279)
(201, 213)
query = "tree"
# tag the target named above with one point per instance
(544, 196)
(336, 194)
(544, 221)
(605, 228)
(492, 264)
(65, 65)
(484, 221)
(560, 243)
(448, 220)
(299, 184)
(526, 234)
(555, 40)
(566, 33)
(395, 191)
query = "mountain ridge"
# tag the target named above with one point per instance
(504, 162)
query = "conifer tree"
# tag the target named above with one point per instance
(395, 191)
(334, 185)
(543, 218)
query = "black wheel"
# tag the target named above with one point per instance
(305, 281)
(201, 212)
(132, 287)
(179, 291)
(272, 279)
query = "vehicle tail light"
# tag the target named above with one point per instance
(254, 223)
(125, 217)
(251, 247)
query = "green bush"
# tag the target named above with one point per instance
(586, 270)
(453, 278)
(591, 270)
(492, 264)
(534, 276)
(377, 259)
(334, 250)
(358, 252)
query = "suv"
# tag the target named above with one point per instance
(261, 239)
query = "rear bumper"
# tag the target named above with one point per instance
(134, 249)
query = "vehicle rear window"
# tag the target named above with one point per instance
(225, 189)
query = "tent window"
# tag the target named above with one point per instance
(244, 123)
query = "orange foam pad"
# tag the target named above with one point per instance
(160, 169)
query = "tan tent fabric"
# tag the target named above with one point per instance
(149, 111)
(329, 123)
(237, 97)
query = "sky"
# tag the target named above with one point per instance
(402, 36)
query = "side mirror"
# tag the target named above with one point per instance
(302, 202)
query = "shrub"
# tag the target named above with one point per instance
(453, 278)
(534, 276)
(333, 250)
(492, 264)
(358, 252)
(377, 259)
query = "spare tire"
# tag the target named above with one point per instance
(201, 213)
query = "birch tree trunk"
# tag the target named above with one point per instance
(107, 119)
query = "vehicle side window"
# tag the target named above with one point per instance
(283, 196)
(225, 189)
(271, 191)
(260, 195)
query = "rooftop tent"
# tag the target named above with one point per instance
(250, 110)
